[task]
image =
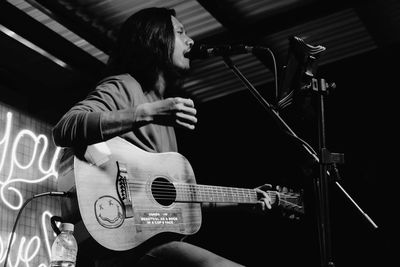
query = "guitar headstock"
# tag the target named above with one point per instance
(290, 202)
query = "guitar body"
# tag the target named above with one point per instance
(125, 195)
(118, 199)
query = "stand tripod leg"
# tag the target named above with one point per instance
(322, 188)
(323, 219)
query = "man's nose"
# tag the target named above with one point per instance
(189, 42)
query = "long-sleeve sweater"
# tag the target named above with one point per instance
(109, 111)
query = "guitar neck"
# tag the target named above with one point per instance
(217, 194)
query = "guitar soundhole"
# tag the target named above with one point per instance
(163, 191)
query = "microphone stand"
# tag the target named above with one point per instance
(325, 159)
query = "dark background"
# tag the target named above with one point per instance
(238, 143)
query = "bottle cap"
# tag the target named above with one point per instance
(67, 227)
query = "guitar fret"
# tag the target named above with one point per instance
(211, 197)
(192, 191)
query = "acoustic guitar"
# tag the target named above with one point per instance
(135, 195)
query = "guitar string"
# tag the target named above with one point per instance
(199, 188)
(162, 185)
(273, 198)
(158, 193)
(166, 194)
(170, 194)
(165, 187)
(210, 196)
(202, 196)
(191, 187)
(288, 203)
(171, 191)
(292, 204)
(185, 184)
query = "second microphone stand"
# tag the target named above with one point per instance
(327, 161)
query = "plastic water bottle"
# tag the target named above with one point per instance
(64, 248)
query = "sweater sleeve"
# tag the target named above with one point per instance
(106, 112)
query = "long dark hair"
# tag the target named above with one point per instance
(145, 46)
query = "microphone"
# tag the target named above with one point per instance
(203, 51)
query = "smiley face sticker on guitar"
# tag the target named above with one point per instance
(109, 212)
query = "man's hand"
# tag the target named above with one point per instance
(264, 199)
(174, 111)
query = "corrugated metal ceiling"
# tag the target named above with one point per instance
(343, 33)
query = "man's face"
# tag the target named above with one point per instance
(183, 44)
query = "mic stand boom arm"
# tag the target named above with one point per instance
(268, 107)
(327, 158)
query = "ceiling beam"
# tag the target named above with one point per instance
(382, 19)
(48, 40)
(240, 31)
(223, 13)
(75, 18)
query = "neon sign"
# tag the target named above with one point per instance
(27, 252)
(13, 169)
(15, 163)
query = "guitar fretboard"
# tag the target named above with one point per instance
(207, 193)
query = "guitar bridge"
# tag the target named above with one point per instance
(123, 189)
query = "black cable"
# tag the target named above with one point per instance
(291, 134)
(53, 193)
(275, 74)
